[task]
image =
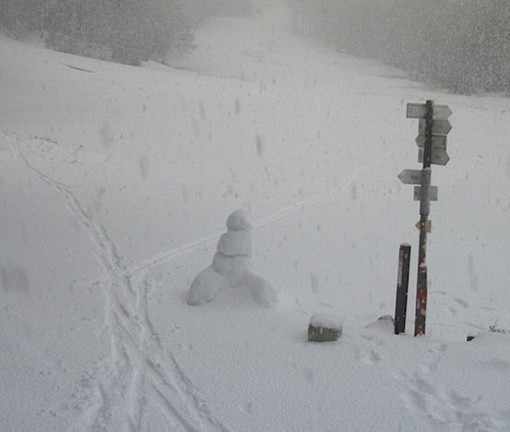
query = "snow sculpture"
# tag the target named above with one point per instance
(231, 267)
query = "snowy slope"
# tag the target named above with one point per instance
(115, 186)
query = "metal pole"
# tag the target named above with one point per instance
(404, 258)
(421, 288)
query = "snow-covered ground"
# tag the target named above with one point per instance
(115, 184)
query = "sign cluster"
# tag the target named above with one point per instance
(433, 128)
(440, 128)
(438, 154)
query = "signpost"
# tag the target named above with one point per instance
(431, 140)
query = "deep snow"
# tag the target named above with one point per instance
(115, 185)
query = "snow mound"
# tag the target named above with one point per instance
(384, 324)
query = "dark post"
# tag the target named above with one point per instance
(421, 289)
(404, 258)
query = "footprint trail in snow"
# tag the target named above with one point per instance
(446, 409)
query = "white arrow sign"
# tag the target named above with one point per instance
(408, 176)
(440, 112)
(438, 141)
(433, 193)
(439, 127)
(438, 157)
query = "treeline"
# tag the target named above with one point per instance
(125, 31)
(463, 45)
(198, 10)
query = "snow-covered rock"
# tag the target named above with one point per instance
(324, 328)
(231, 267)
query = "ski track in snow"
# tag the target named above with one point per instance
(169, 256)
(190, 247)
(137, 369)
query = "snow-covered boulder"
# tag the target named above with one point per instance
(231, 267)
(324, 328)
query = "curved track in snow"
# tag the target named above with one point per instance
(188, 248)
(138, 370)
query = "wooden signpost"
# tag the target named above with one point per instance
(432, 130)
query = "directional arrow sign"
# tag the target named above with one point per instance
(408, 176)
(438, 141)
(439, 127)
(440, 112)
(433, 193)
(438, 157)
(429, 226)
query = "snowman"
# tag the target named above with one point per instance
(231, 267)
